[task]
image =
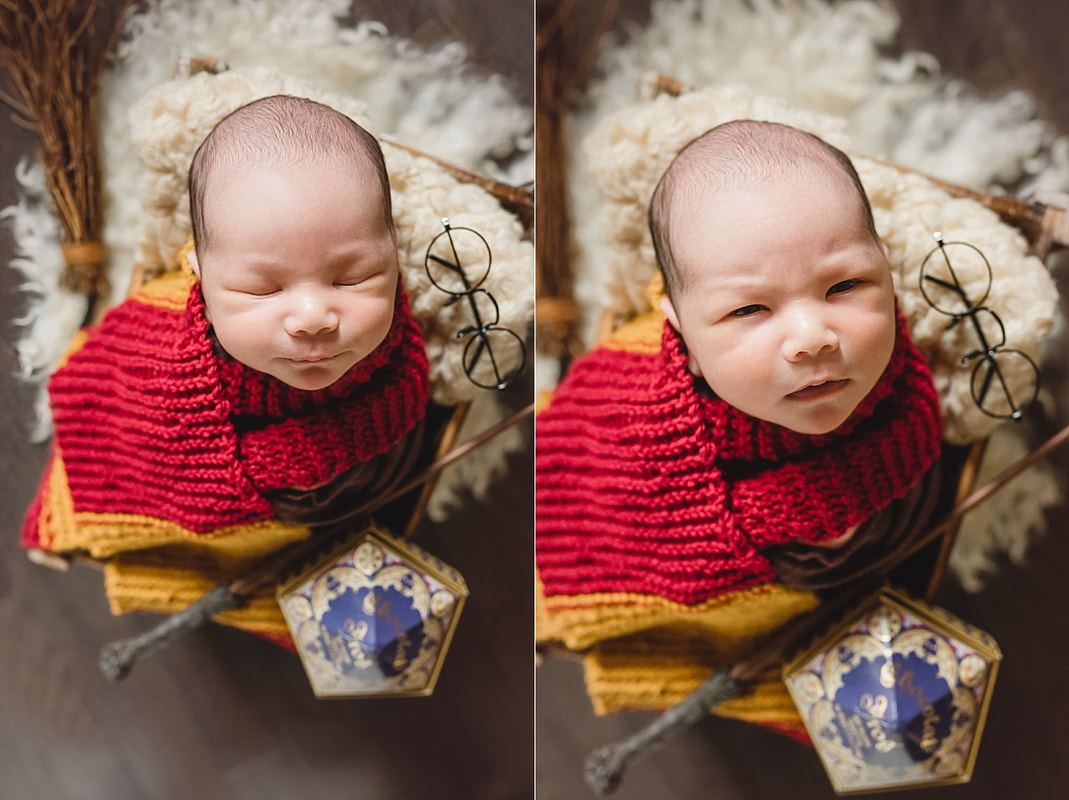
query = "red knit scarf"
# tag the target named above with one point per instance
(647, 484)
(150, 420)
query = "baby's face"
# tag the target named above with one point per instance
(301, 276)
(788, 306)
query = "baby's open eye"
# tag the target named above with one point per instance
(746, 311)
(844, 286)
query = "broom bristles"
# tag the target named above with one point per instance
(51, 58)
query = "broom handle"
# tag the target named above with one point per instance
(117, 659)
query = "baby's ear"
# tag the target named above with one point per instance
(670, 312)
(194, 264)
(673, 320)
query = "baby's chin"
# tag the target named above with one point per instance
(818, 429)
(306, 385)
(313, 378)
(821, 424)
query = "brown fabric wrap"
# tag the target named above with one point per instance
(345, 498)
(875, 544)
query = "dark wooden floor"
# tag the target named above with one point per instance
(995, 44)
(223, 715)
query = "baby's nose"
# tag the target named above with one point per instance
(310, 315)
(808, 334)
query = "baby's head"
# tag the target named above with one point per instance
(294, 239)
(775, 277)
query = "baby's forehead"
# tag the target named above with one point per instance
(702, 196)
(705, 174)
(724, 234)
(231, 172)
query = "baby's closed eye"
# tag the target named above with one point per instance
(257, 290)
(357, 279)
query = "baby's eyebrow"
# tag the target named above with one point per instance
(742, 283)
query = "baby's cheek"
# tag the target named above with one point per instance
(888, 338)
(739, 376)
(371, 317)
(876, 334)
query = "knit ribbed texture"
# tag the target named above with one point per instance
(631, 459)
(660, 669)
(164, 447)
(166, 584)
(140, 420)
(730, 621)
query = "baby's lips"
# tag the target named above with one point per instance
(819, 388)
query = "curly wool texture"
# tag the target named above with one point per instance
(630, 149)
(170, 122)
(837, 57)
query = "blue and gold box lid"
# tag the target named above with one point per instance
(375, 618)
(896, 696)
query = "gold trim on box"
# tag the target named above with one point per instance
(376, 569)
(845, 769)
